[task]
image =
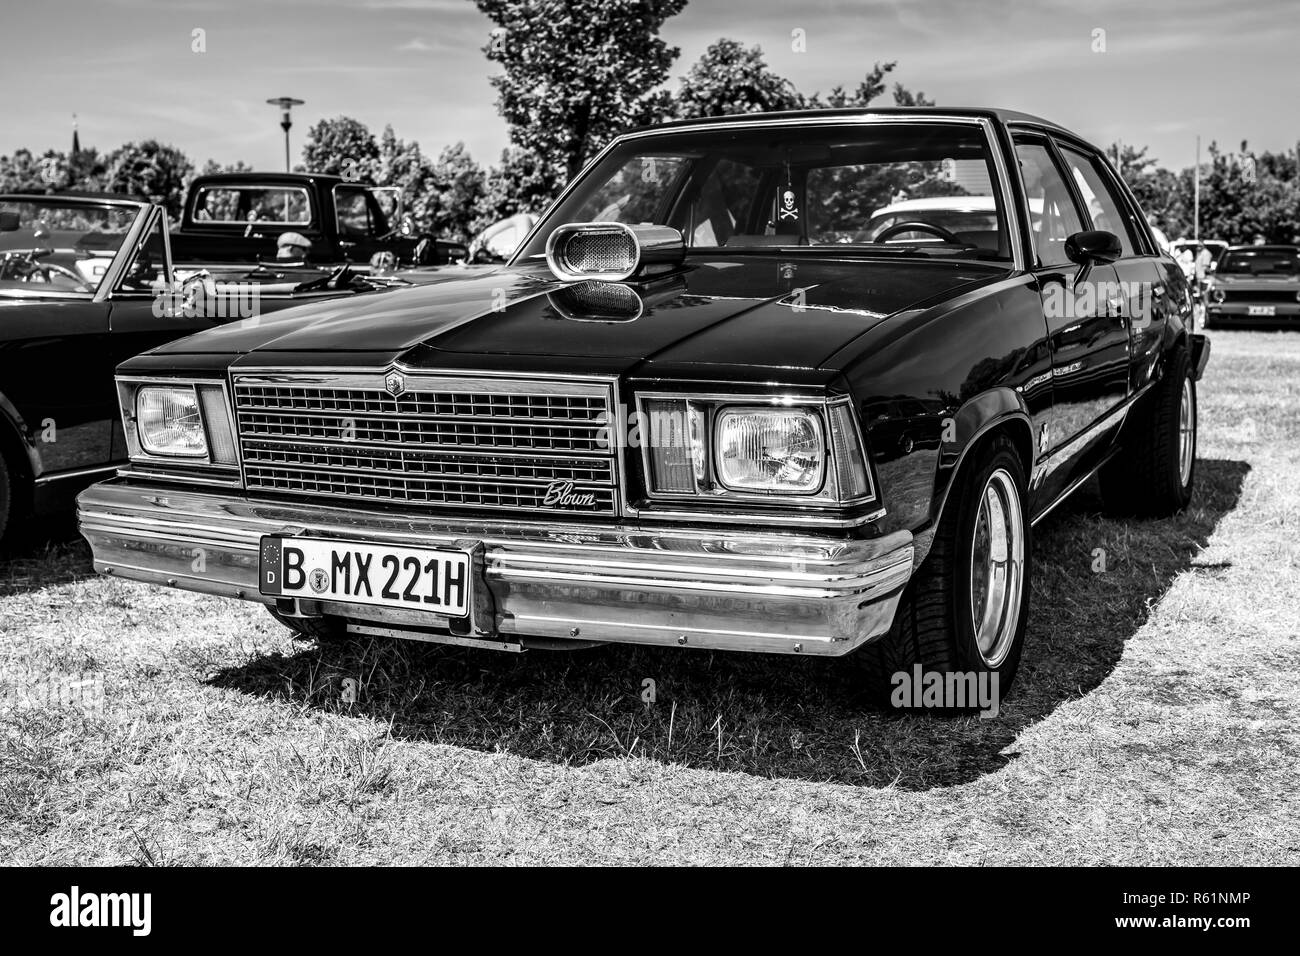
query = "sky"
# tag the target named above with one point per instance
(1147, 72)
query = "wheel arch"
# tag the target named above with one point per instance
(998, 411)
(16, 451)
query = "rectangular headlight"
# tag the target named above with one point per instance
(770, 450)
(168, 421)
(756, 448)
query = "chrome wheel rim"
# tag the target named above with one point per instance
(1186, 432)
(997, 567)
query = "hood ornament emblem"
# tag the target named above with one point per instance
(395, 383)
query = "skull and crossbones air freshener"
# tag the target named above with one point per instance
(788, 210)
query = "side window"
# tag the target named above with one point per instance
(1052, 212)
(352, 212)
(241, 204)
(1104, 206)
(148, 266)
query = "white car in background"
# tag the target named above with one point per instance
(970, 218)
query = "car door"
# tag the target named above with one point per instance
(361, 222)
(1087, 334)
(56, 377)
(1147, 293)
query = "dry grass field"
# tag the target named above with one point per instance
(1156, 719)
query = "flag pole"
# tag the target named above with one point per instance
(1196, 195)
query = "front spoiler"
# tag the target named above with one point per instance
(731, 590)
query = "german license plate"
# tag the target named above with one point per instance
(320, 569)
(1261, 310)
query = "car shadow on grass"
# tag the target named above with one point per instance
(771, 716)
(44, 552)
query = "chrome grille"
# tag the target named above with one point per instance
(446, 441)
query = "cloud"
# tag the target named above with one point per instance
(415, 45)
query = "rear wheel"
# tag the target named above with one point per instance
(967, 606)
(1155, 471)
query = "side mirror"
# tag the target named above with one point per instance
(1090, 248)
(9, 221)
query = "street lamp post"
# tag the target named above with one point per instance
(286, 103)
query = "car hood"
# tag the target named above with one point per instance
(788, 312)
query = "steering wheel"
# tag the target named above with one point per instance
(26, 267)
(917, 226)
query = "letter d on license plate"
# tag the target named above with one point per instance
(319, 569)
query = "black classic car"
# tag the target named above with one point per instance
(701, 407)
(86, 282)
(241, 217)
(1254, 285)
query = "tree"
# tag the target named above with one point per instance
(26, 172)
(576, 72)
(150, 170)
(521, 182)
(341, 147)
(1241, 198)
(871, 88)
(729, 79)
(459, 186)
(213, 168)
(403, 164)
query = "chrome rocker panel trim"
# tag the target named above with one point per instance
(745, 590)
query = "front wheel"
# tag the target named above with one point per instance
(966, 609)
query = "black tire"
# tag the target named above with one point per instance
(324, 630)
(1146, 478)
(934, 626)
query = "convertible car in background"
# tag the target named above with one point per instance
(86, 282)
(1254, 285)
(707, 404)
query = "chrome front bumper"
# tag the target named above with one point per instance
(732, 590)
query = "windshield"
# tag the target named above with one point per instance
(1261, 262)
(58, 245)
(843, 188)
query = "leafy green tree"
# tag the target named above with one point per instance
(150, 170)
(576, 72)
(521, 182)
(402, 163)
(1242, 197)
(341, 146)
(730, 78)
(459, 185)
(871, 88)
(24, 171)
(213, 168)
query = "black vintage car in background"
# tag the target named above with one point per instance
(240, 217)
(85, 283)
(705, 406)
(1254, 285)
